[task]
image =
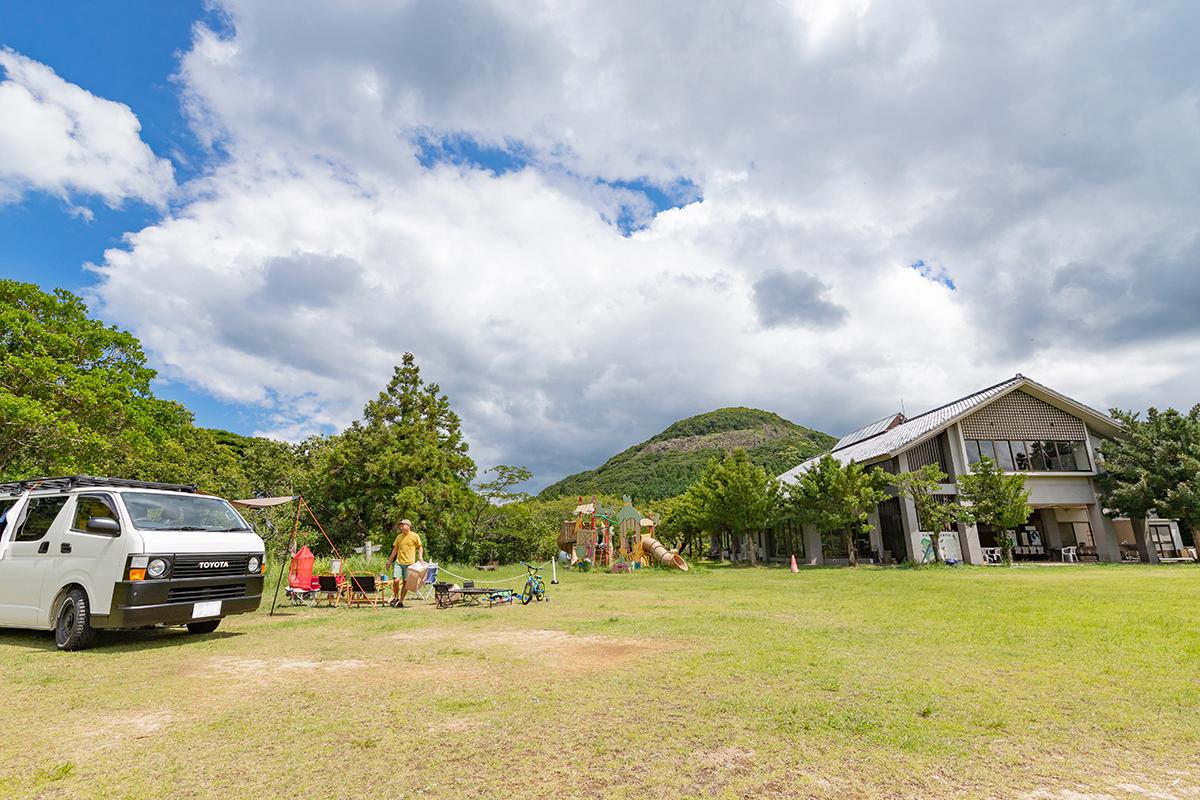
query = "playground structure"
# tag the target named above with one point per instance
(618, 542)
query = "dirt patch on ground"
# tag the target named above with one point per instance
(562, 649)
(461, 725)
(261, 671)
(1124, 790)
(726, 759)
(718, 767)
(114, 730)
(136, 725)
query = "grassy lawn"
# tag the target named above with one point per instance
(1056, 682)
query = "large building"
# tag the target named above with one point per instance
(1025, 427)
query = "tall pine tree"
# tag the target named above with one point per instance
(406, 457)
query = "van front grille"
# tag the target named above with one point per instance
(195, 594)
(209, 565)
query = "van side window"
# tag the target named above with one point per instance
(5, 505)
(42, 512)
(92, 505)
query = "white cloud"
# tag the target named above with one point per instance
(59, 138)
(1043, 162)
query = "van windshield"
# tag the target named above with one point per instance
(174, 512)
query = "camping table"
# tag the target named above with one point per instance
(480, 596)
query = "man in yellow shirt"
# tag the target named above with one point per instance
(405, 551)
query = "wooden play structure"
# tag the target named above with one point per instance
(618, 542)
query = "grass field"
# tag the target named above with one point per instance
(1049, 682)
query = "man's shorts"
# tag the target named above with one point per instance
(400, 571)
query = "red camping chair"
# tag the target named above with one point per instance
(300, 579)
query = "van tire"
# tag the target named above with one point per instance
(73, 626)
(208, 626)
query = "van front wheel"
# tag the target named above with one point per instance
(208, 626)
(73, 630)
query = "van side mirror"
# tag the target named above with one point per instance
(106, 525)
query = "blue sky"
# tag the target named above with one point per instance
(127, 52)
(123, 51)
(787, 206)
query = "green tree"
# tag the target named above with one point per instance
(74, 393)
(680, 520)
(837, 498)
(934, 513)
(1153, 468)
(996, 499)
(523, 530)
(406, 457)
(736, 497)
(489, 510)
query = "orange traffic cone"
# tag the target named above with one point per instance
(794, 567)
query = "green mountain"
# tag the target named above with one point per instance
(666, 464)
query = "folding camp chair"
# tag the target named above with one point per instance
(361, 590)
(425, 590)
(443, 597)
(329, 589)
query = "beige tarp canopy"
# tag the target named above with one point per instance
(262, 502)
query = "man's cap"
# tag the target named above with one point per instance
(407, 522)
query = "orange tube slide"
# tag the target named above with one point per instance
(661, 554)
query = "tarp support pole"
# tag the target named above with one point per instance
(291, 544)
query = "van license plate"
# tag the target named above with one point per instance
(210, 609)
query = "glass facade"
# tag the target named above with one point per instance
(786, 538)
(1026, 456)
(833, 545)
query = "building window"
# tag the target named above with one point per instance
(1037, 456)
(786, 539)
(1083, 535)
(1004, 456)
(1022, 456)
(833, 545)
(1164, 542)
(1081, 456)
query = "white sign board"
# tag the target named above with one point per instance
(950, 547)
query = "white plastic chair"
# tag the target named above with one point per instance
(1068, 554)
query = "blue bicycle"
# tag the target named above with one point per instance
(535, 587)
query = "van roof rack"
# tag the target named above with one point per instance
(90, 481)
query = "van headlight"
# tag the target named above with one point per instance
(157, 567)
(254, 564)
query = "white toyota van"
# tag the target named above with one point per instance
(82, 553)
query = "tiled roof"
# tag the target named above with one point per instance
(908, 432)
